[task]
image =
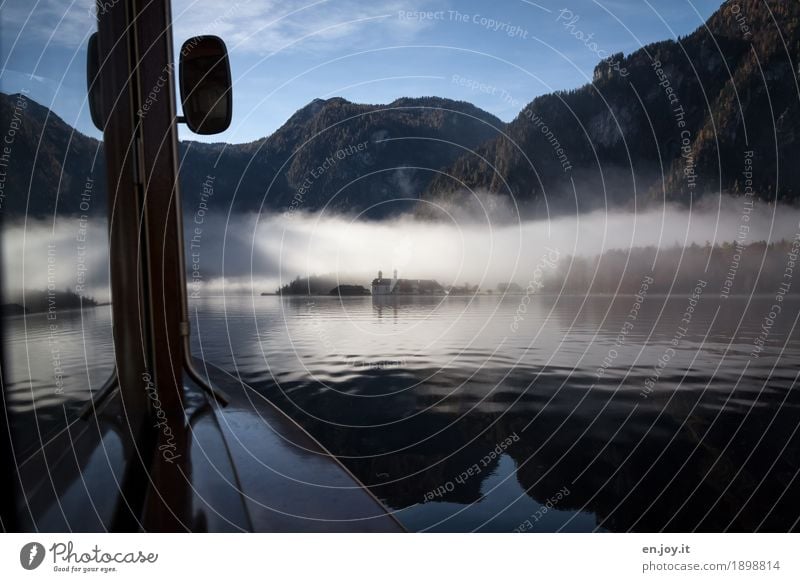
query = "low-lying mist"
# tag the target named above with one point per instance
(258, 253)
(486, 254)
(68, 253)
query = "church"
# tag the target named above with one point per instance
(395, 286)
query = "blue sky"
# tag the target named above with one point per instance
(497, 54)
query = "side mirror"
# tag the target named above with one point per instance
(93, 88)
(205, 80)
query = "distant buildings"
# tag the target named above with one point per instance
(395, 286)
(381, 286)
(343, 290)
(510, 288)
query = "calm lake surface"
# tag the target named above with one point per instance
(490, 414)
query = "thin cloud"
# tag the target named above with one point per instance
(268, 26)
(48, 22)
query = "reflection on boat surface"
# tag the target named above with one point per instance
(245, 467)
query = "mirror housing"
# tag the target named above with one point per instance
(205, 85)
(93, 89)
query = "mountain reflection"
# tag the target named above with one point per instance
(706, 450)
(459, 423)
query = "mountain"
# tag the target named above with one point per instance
(331, 154)
(689, 110)
(338, 156)
(48, 163)
(715, 111)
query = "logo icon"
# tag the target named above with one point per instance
(31, 555)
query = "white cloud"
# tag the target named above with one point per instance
(47, 22)
(262, 27)
(251, 26)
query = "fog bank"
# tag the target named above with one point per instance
(256, 253)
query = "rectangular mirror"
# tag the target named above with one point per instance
(205, 84)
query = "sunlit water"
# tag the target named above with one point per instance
(460, 420)
(53, 366)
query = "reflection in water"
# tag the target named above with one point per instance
(461, 421)
(414, 392)
(53, 366)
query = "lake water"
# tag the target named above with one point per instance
(503, 414)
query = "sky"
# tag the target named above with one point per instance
(497, 54)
